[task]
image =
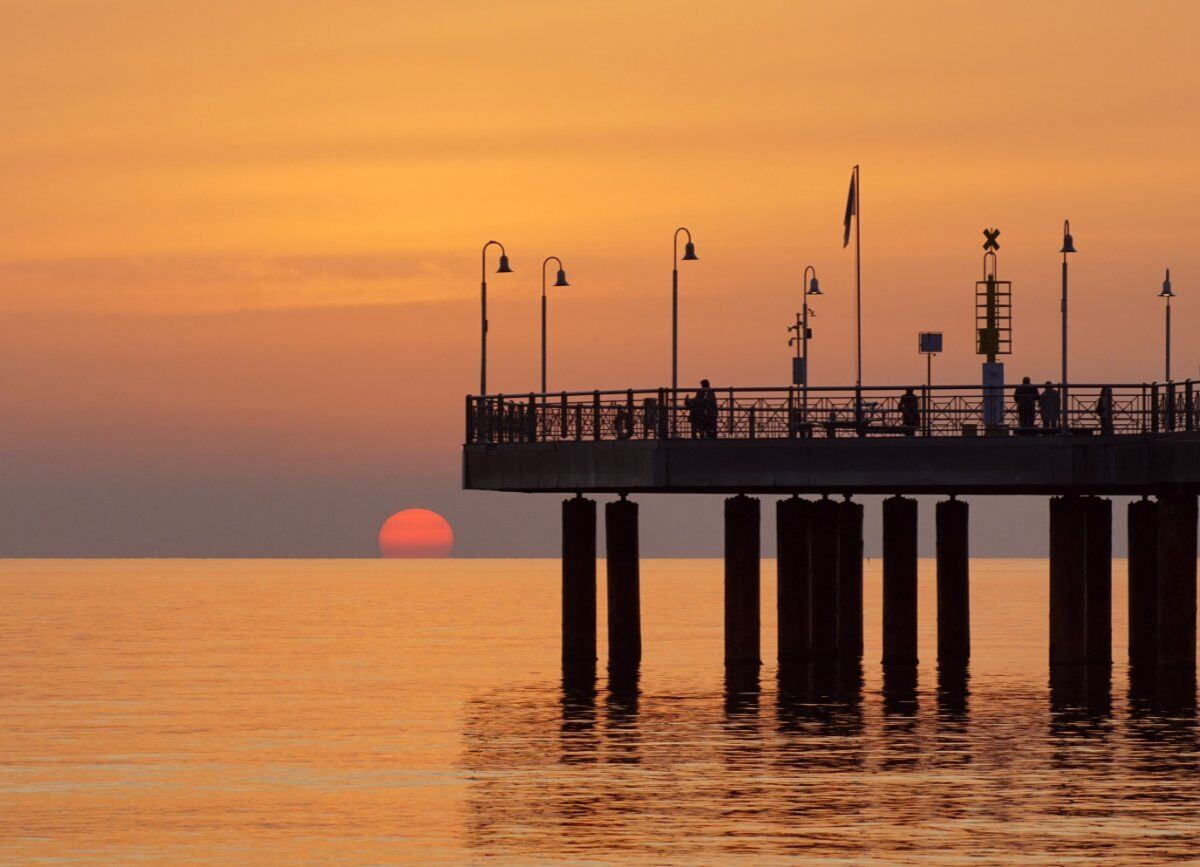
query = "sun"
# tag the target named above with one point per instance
(416, 533)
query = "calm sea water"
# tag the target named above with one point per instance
(282, 711)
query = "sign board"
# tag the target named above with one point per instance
(929, 342)
(798, 371)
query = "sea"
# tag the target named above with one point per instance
(414, 712)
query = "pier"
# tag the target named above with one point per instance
(819, 447)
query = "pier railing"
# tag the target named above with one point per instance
(830, 412)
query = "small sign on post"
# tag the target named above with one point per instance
(929, 342)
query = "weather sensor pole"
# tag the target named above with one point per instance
(993, 330)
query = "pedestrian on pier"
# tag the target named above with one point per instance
(910, 412)
(1050, 406)
(1026, 395)
(702, 412)
(1104, 409)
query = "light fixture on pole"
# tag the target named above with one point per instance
(811, 287)
(689, 255)
(501, 269)
(1068, 246)
(1168, 294)
(561, 280)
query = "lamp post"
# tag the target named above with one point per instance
(689, 255)
(811, 287)
(483, 333)
(1068, 246)
(1168, 294)
(561, 280)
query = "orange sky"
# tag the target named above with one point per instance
(241, 239)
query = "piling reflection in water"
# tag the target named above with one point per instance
(807, 761)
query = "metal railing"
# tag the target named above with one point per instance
(794, 412)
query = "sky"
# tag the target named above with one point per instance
(239, 253)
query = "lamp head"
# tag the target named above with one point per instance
(689, 252)
(561, 280)
(1166, 290)
(1068, 242)
(814, 288)
(504, 269)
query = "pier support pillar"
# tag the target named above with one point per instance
(824, 575)
(624, 591)
(579, 583)
(953, 581)
(850, 580)
(1143, 582)
(742, 521)
(1177, 580)
(1068, 580)
(900, 581)
(792, 520)
(1098, 570)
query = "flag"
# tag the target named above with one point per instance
(851, 209)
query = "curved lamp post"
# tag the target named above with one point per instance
(561, 280)
(811, 287)
(502, 269)
(689, 255)
(1168, 294)
(1068, 246)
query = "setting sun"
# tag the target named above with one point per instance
(416, 533)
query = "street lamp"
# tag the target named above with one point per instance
(561, 280)
(689, 255)
(1168, 294)
(811, 287)
(502, 269)
(1068, 246)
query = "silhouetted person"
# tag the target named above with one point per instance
(707, 398)
(1050, 405)
(702, 411)
(910, 412)
(1026, 395)
(695, 415)
(1104, 409)
(623, 423)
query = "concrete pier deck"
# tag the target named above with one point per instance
(1051, 465)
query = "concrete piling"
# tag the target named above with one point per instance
(1098, 571)
(624, 591)
(899, 581)
(579, 583)
(793, 607)
(1068, 581)
(1143, 582)
(953, 582)
(1177, 580)
(742, 525)
(850, 579)
(823, 554)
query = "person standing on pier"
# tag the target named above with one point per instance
(708, 403)
(1026, 395)
(1050, 405)
(702, 412)
(910, 412)
(1104, 409)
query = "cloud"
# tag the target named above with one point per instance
(216, 283)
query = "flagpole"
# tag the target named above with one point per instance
(858, 275)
